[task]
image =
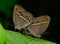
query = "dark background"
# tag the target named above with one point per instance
(46, 7)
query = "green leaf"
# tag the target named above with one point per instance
(18, 38)
(2, 35)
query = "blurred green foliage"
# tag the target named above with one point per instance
(6, 11)
(2, 35)
(18, 38)
(6, 6)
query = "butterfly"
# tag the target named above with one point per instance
(30, 24)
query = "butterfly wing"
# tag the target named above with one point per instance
(21, 18)
(39, 26)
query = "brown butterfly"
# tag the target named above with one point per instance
(21, 17)
(25, 20)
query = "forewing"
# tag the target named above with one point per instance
(21, 18)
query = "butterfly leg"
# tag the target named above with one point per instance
(26, 31)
